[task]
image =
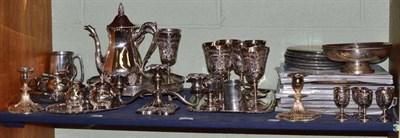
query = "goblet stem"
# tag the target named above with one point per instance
(169, 74)
(241, 77)
(255, 88)
(341, 111)
(384, 112)
(210, 101)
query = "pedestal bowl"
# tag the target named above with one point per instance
(358, 56)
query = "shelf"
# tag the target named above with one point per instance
(126, 117)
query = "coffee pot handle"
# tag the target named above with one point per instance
(82, 67)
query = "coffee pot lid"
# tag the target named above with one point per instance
(121, 20)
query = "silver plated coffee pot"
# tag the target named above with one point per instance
(123, 58)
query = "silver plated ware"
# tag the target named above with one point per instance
(255, 55)
(234, 97)
(363, 98)
(341, 97)
(237, 58)
(167, 40)
(218, 58)
(358, 56)
(25, 105)
(298, 111)
(64, 61)
(157, 105)
(122, 61)
(384, 98)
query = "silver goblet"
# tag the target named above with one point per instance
(363, 98)
(237, 58)
(353, 96)
(254, 58)
(168, 42)
(206, 46)
(384, 99)
(341, 96)
(218, 58)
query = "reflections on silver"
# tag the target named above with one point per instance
(341, 97)
(237, 58)
(122, 57)
(25, 105)
(384, 99)
(234, 99)
(255, 54)
(168, 42)
(255, 58)
(363, 97)
(218, 58)
(64, 61)
(358, 56)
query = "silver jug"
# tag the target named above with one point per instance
(123, 58)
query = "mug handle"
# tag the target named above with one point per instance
(82, 67)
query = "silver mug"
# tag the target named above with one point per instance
(234, 100)
(64, 60)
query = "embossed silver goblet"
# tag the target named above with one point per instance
(341, 97)
(237, 58)
(363, 97)
(218, 58)
(353, 96)
(384, 99)
(206, 46)
(255, 54)
(168, 42)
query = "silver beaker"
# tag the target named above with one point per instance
(64, 60)
(234, 100)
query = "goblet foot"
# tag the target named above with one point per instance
(384, 118)
(357, 68)
(342, 118)
(364, 119)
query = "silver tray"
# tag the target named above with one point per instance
(176, 84)
(301, 60)
(307, 49)
(61, 108)
(266, 103)
(307, 55)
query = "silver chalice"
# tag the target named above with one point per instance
(167, 40)
(341, 97)
(363, 97)
(384, 99)
(255, 57)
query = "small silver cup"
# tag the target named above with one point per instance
(234, 100)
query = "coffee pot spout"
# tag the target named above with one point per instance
(98, 54)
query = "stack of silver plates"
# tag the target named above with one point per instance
(310, 57)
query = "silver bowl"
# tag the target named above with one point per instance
(358, 56)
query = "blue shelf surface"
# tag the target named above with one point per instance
(127, 116)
